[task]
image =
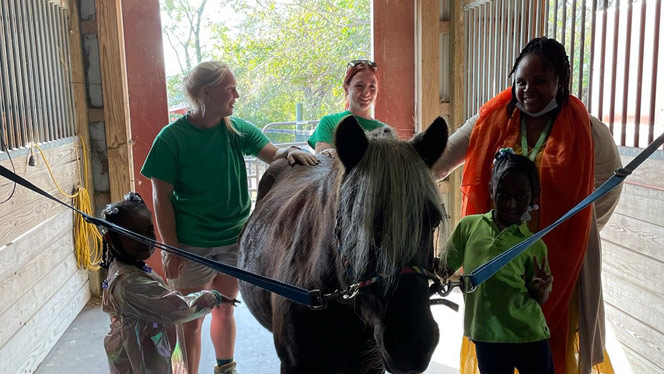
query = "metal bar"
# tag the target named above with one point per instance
(555, 19)
(52, 56)
(515, 33)
(582, 48)
(546, 17)
(59, 68)
(474, 62)
(18, 84)
(496, 56)
(466, 51)
(66, 72)
(614, 70)
(510, 39)
(563, 29)
(653, 83)
(28, 89)
(593, 24)
(639, 73)
(602, 56)
(489, 48)
(34, 66)
(538, 16)
(49, 96)
(482, 57)
(13, 60)
(9, 112)
(628, 47)
(38, 77)
(522, 22)
(572, 51)
(503, 55)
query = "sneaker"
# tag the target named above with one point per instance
(229, 368)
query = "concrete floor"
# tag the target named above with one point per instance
(81, 351)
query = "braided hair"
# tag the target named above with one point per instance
(116, 213)
(555, 57)
(506, 160)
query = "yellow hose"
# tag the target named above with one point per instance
(87, 239)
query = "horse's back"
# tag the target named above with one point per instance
(290, 202)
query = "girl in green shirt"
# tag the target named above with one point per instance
(503, 315)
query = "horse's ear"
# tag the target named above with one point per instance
(431, 143)
(350, 141)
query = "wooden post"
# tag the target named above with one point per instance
(394, 52)
(457, 53)
(429, 61)
(81, 117)
(116, 98)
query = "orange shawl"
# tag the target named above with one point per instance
(566, 177)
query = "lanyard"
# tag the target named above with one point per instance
(538, 145)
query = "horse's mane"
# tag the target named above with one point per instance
(388, 194)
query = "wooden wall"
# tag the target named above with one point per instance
(41, 288)
(633, 265)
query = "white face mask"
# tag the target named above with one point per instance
(553, 104)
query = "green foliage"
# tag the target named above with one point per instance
(287, 51)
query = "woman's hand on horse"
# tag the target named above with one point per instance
(297, 156)
(329, 152)
(173, 265)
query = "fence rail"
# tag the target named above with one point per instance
(282, 134)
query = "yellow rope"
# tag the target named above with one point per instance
(87, 239)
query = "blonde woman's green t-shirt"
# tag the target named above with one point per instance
(207, 169)
(500, 310)
(324, 131)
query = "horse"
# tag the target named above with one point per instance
(366, 218)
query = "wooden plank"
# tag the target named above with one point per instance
(26, 293)
(456, 100)
(639, 337)
(429, 59)
(444, 109)
(28, 347)
(444, 27)
(643, 203)
(639, 364)
(639, 303)
(19, 252)
(650, 173)
(639, 270)
(643, 237)
(80, 93)
(116, 104)
(22, 221)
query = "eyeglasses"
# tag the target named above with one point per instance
(354, 63)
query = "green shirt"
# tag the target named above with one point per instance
(325, 130)
(500, 310)
(207, 169)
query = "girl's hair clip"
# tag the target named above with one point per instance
(503, 154)
(133, 196)
(110, 209)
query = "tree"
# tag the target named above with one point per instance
(287, 51)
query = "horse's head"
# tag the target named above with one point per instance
(388, 209)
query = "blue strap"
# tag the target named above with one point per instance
(286, 290)
(487, 270)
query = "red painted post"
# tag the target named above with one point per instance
(146, 81)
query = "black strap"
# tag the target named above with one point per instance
(286, 290)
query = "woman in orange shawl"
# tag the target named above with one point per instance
(574, 153)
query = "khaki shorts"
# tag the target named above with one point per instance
(195, 275)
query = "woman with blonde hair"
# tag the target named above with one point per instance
(201, 197)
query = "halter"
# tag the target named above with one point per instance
(439, 286)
